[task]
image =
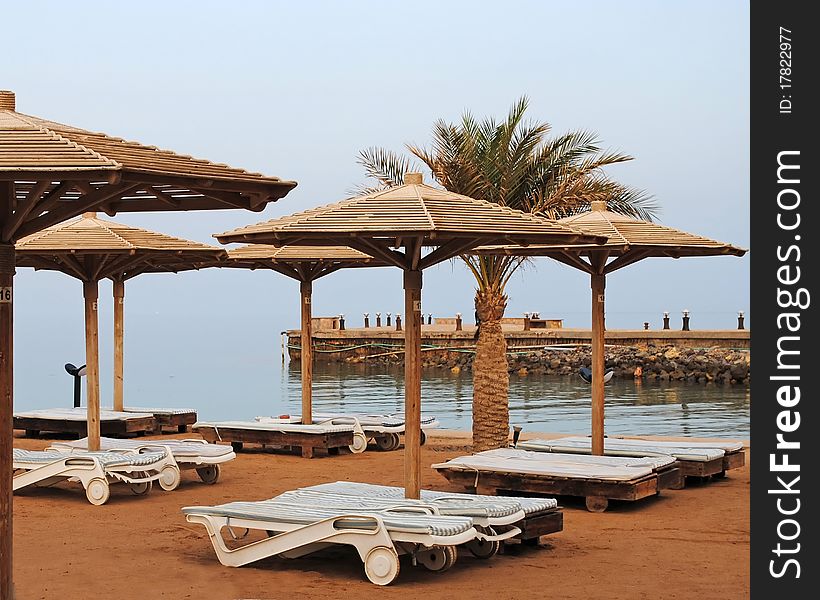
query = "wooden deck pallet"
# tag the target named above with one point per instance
(716, 467)
(108, 427)
(597, 492)
(734, 460)
(308, 443)
(178, 421)
(539, 524)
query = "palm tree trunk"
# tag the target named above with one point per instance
(491, 380)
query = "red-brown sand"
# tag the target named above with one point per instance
(689, 543)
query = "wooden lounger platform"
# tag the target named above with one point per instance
(534, 526)
(169, 418)
(241, 433)
(75, 421)
(537, 477)
(700, 459)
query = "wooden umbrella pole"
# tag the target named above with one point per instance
(6, 410)
(119, 334)
(306, 289)
(412, 384)
(90, 293)
(598, 329)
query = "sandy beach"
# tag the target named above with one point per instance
(689, 543)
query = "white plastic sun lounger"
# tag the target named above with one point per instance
(447, 502)
(95, 470)
(707, 458)
(536, 516)
(189, 453)
(333, 433)
(379, 536)
(384, 430)
(488, 519)
(598, 478)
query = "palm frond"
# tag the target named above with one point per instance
(386, 167)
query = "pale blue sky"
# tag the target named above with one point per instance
(297, 89)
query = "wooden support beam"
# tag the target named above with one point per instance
(92, 361)
(573, 260)
(267, 189)
(447, 251)
(119, 335)
(162, 196)
(232, 199)
(73, 266)
(306, 291)
(598, 331)
(51, 199)
(391, 257)
(23, 209)
(627, 258)
(412, 384)
(7, 262)
(83, 203)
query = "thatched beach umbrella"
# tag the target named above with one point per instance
(305, 264)
(50, 172)
(92, 249)
(394, 225)
(629, 240)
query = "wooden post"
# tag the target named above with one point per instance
(306, 288)
(92, 350)
(598, 329)
(6, 411)
(119, 334)
(412, 384)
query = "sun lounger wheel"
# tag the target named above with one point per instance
(209, 474)
(423, 438)
(484, 548)
(359, 443)
(437, 558)
(97, 491)
(381, 565)
(169, 478)
(141, 488)
(388, 441)
(596, 503)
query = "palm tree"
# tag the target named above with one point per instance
(515, 164)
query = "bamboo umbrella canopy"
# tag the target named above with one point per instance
(629, 240)
(305, 264)
(50, 172)
(394, 225)
(91, 249)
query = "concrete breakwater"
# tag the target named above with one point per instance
(695, 356)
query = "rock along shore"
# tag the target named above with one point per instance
(653, 363)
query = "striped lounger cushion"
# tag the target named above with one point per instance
(463, 509)
(627, 447)
(579, 466)
(109, 460)
(528, 505)
(273, 511)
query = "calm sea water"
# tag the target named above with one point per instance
(559, 404)
(245, 384)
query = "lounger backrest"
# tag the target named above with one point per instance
(106, 459)
(461, 508)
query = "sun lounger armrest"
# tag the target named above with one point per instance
(416, 509)
(498, 537)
